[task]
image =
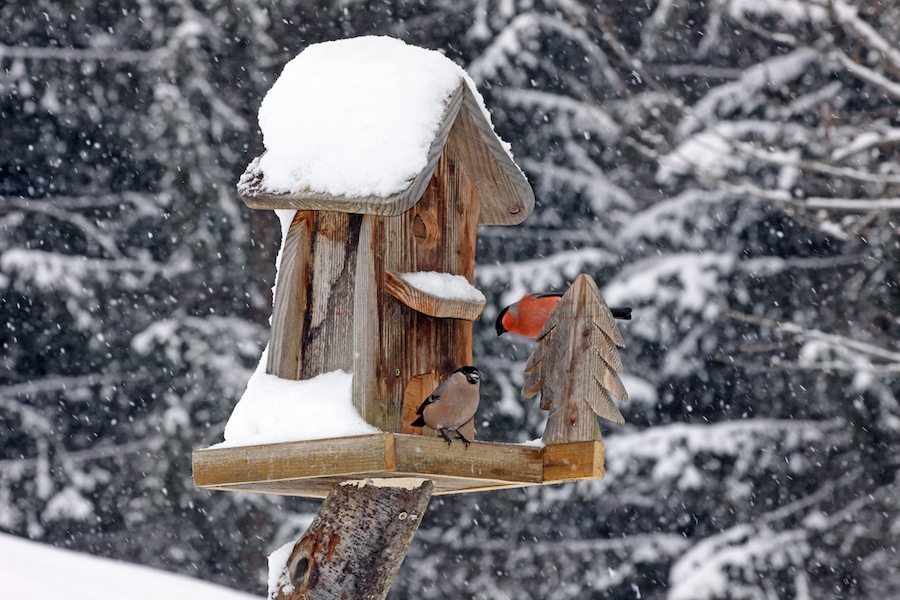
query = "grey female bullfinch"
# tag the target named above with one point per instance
(452, 404)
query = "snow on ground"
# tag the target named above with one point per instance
(274, 410)
(354, 117)
(34, 570)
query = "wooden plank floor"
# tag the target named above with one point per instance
(311, 468)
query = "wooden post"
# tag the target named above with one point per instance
(575, 366)
(356, 543)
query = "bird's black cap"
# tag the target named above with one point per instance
(470, 372)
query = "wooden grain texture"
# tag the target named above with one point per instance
(328, 336)
(573, 461)
(410, 342)
(368, 313)
(428, 304)
(310, 468)
(346, 456)
(419, 455)
(507, 198)
(418, 388)
(312, 316)
(575, 365)
(289, 304)
(355, 544)
(318, 487)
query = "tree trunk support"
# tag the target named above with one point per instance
(355, 544)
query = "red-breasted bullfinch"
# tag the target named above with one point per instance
(527, 316)
(452, 404)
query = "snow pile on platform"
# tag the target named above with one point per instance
(275, 410)
(443, 285)
(353, 117)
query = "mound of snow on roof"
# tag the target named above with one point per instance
(354, 117)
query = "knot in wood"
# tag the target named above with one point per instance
(426, 229)
(402, 516)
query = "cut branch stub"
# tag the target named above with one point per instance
(575, 365)
(356, 543)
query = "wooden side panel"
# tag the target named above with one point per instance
(289, 304)
(367, 317)
(438, 234)
(328, 323)
(312, 317)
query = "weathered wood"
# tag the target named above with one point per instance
(312, 317)
(427, 304)
(507, 197)
(574, 366)
(412, 343)
(343, 457)
(573, 461)
(418, 388)
(289, 304)
(426, 456)
(356, 543)
(367, 320)
(310, 468)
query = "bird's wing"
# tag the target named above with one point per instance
(435, 395)
(548, 295)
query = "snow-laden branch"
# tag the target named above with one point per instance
(585, 116)
(61, 383)
(31, 419)
(80, 221)
(859, 356)
(143, 204)
(784, 159)
(542, 274)
(54, 271)
(847, 205)
(866, 141)
(848, 17)
(514, 42)
(106, 54)
(872, 77)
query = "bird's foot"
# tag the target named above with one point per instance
(465, 442)
(446, 437)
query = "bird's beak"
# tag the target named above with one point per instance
(499, 324)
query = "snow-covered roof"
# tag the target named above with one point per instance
(358, 125)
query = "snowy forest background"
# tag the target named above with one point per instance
(727, 168)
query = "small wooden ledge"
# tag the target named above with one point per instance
(428, 304)
(312, 468)
(573, 461)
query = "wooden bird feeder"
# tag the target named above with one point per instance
(342, 302)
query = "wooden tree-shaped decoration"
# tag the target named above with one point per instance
(575, 366)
